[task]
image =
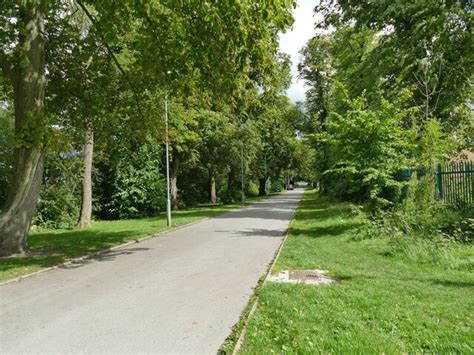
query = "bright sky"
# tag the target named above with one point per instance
(294, 39)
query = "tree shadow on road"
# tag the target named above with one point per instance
(49, 249)
(254, 233)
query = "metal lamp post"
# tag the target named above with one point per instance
(242, 170)
(168, 200)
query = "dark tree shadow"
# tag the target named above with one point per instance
(452, 283)
(258, 232)
(319, 232)
(50, 249)
(110, 255)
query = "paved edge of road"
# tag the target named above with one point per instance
(133, 241)
(254, 297)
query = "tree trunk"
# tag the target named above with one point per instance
(86, 205)
(29, 82)
(212, 187)
(262, 186)
(174, 167)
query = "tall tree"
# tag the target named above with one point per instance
(24, 66)
(217, 145)
(412, 37)
(215, 42)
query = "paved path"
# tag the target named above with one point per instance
(180, 292)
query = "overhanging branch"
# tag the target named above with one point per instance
(109, 50)
(111, 54)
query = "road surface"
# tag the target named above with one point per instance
(180, 292)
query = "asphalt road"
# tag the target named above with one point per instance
(178, 293)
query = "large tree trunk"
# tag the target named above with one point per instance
(174, 182)
(212, 187)
(29, 82)
(262, 186)
(86, 205)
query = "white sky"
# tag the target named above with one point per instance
(294, 39)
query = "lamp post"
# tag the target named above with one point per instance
(168, 200)
(242, 170)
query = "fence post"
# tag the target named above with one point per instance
(439, 183)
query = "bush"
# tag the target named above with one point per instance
(138, 188)
(251, 189)
(275, 185)
(420, 227)
(60, 198)
(57, 208)
(193, 186)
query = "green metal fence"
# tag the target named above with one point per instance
(455, 183)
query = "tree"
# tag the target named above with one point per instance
(81, 88)
(217, 145)
(277, 121)
(217, 44)
(367, 147)
(409, 35)
(25, 69)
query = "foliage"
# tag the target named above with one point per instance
(427, 45)
(59, 202)
(109, 68)
(217, 140)
(251, 190)
(420, 227)
(409, 98)
(193, 185)
(433, 144)
(137, 188)
(280, 150)
(367, 146)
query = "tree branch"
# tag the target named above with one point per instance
(109, 50)
(112, 55)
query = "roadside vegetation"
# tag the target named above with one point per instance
(389, 106)
(385, 301)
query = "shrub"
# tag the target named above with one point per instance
(59, 200)
(420, 227)
(251, 189)
(57, 208)
(138, 188)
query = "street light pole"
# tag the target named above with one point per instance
(242, 169)
(265, 176)
(168, 200)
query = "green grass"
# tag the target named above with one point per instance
(383, 303)
(52, 247)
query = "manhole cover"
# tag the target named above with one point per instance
(314, 277)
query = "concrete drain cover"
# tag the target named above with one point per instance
(312, 277)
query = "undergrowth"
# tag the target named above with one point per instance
(421, 228)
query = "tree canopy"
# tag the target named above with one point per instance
(84, 84)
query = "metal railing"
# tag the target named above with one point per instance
(455, 183)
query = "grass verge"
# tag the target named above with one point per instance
(383, 303)
(52, 247)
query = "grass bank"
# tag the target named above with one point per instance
(53, 247)
(383, 302)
